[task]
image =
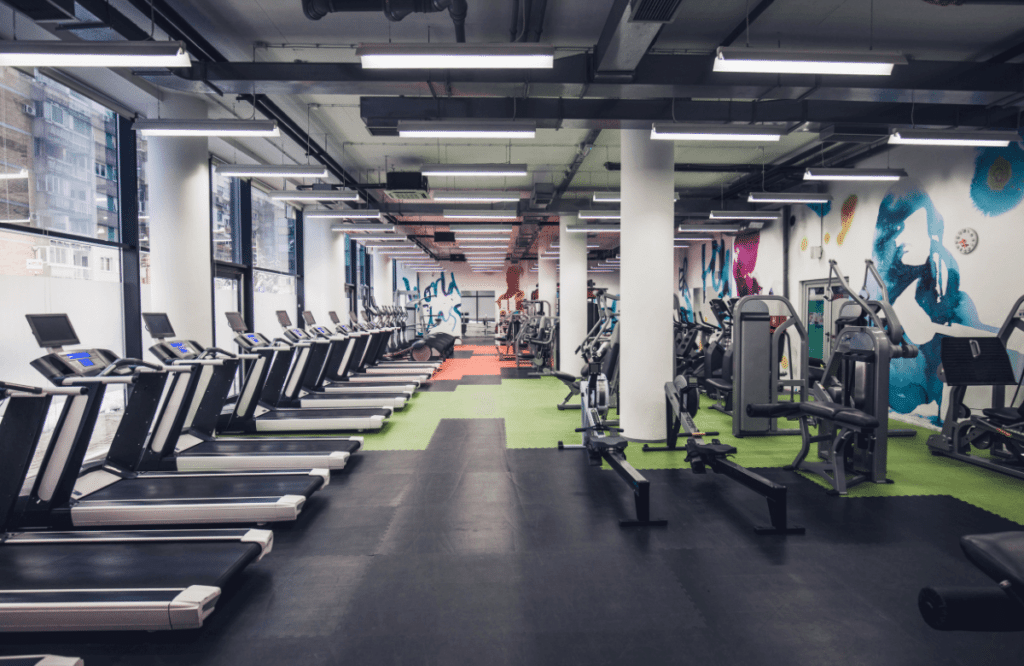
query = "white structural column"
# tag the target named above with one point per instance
(572, 256)
(646, 284)
(340, 297)
(547, 281)
(179, 225)
(382, 291)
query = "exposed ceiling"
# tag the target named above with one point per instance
(962, 72)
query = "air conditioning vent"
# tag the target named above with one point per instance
(407, 186)
(457, 257)
(444, 238)
(542, 196)
(28, 109)
(653, 11)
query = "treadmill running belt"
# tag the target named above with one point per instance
(193, 487)
(273, 446)
(300, 414)
(122, 565)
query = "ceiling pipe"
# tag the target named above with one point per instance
(394, 10)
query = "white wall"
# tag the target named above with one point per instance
(323, 276)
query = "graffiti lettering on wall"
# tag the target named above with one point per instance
(443, 302)
(686, 305)
(905, 259)
(513, 292)
(745, 248)
(717, 268)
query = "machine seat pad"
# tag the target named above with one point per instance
(718, 384)
(608, 443)
(772, 411)
(843, 415)
(566, 377)
(1003, 415)
(710, 450)
(1000, 555)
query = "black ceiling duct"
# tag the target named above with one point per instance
(394, 10)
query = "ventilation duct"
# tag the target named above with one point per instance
(653, 11)
(394, 10)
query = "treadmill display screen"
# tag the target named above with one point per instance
(298, 333)
(82, 358)
(181, 347)
(252, 337)
(322, 330)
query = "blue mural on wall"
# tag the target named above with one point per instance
(719, 268)
(686, 305)
(821, 209)
(915, 382)
(443, 301)
(998, 183)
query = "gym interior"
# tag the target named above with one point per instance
(511, 332)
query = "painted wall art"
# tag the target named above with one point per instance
(443, 302)
(745, 261)
(718, 268)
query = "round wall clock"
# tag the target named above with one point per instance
(966, 240)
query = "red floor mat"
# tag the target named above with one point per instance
(479, 364)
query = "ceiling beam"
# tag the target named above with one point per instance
(744, 25)
(656, 76)
(381, 114)
(623, 43)
(577, 161)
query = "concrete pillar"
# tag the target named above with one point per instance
(572, 259)
(179, 224)
(647, 284)
(382, 291)
(547, 281)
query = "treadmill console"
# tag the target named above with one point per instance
(251, 340)
(80, 363)
(322, 330)
(176, 350)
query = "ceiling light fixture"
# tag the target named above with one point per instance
(788, 198)
(709, 228)
(456, 56)
(616, 197)
(315, 195)
(496, 170)
(54, 53)
(779, 61)
(593, 228)
(820, 173)
(485, 247)
(478, 196)
(350, 214)
(982, 139)
(486, 214)
(361, 227)
(272, 170)
(168, 127)
(460, 129)
(766, 216)
(680, 132)
(594, 214)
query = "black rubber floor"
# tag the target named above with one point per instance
(468, 553)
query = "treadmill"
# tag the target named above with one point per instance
(322, 351)
(40, 660)
(113, 491)
(356, 369)
(193, 445)
(336, 378)
(102, 580)
(272, 379)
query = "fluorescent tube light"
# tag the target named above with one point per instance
(615, 197)
(456, 56)
(743, 215)
(778, 61)
(593, 229)
(820, 173)
(486, 214)
(54, 53)
(314, 195)
(350, 214)
(496, 170)
(467, 130)
(165, 127)
(273, 170)
(484, 247)
(371, 227)
(983, 139)
(479, 196)
(600, 214)
(17, 175)
(678, 132)
(695, 239)
(788, 198)
(481, 239)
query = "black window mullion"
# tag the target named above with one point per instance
(300, 266)
(128, 207)
(245, 254)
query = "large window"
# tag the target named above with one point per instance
(227, 199)
(273, 233)
(273, 292)
(141, 160)
(59, 156)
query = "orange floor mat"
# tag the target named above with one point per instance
(478, 364)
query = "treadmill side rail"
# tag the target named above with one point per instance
(192, 606)
(186, 512)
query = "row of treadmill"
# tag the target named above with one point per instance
(212, 446)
